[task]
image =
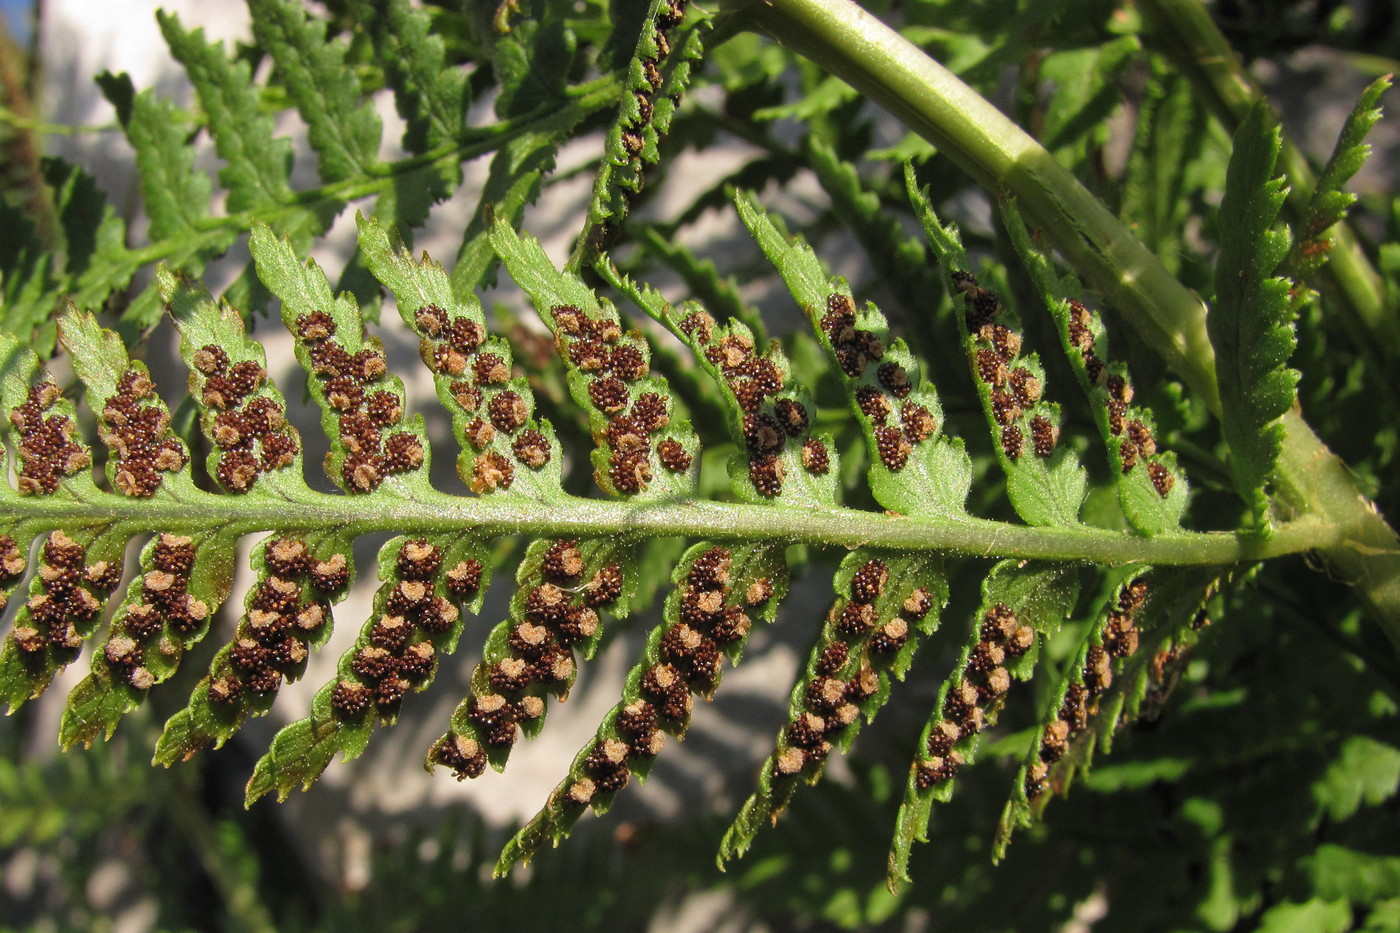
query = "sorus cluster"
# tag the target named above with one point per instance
(1118, 640)
(714, 615)
(843, 674)
(12, 564)
(611, 365)
(166, 606)
(285, 610)
(69, 601)
(454, 347)
(981, 684)
(354, 386)
(48, 450)
(1013, 390)
(898, 424)
(138, 434)
(560, 610)
(1136, 443)
(399, 651)
(249, 432)
(768, 420)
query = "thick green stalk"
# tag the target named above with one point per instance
(931, 100)
(721, 521)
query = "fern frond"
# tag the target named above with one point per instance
(1142, 624)
(1044, 480)
(914, 468)
(1151, 489)
(1250, 322)
(1021, 607)
(1328, 204)
(343, 130)
(669, 45)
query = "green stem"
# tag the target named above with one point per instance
(931, 100)
(566, 516)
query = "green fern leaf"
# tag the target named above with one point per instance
(97, 261)
(26, 264)
(513, 182)
(1328, 204)
(847, 678)
(430, 96)
(657, 75)
(258, 163)
(1250, 323)
(1044, 480)
(343, 130)
(1151, 490)
(591, 338)
(1021, 606)
(915, 469)
(1143, 624)
(737, 588)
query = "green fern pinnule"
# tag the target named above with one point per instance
(1044, 479)
(657, 75)
(431, 96)
(1141, 624)
(1152, 490)
(1328, 204)
(641, 452)
(176, 195)
(417, 617)
(1022, 605)
(257, 173)
(915, 468)
(97, 261)
(1250, 321)
(342, 128)
(721, 593)
(506, 450)
(175, 594)
(886, 604)
(78, 566)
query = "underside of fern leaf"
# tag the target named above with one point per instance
(723, 468)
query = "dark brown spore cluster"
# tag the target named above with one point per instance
(287, 609)
(560, 610)
(982, 684)
(48, 449)
(612, 365)
(845, 672)
(898, 423)
(1136, 443)
(249, 432)
(400, 653)
(368, 410)
(138, 434)
(166, 606)
(69, 601)
(769, 421)
(12, 566)
(714, 615)
(454, 346)
(1119, 640)
(1014, 391)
